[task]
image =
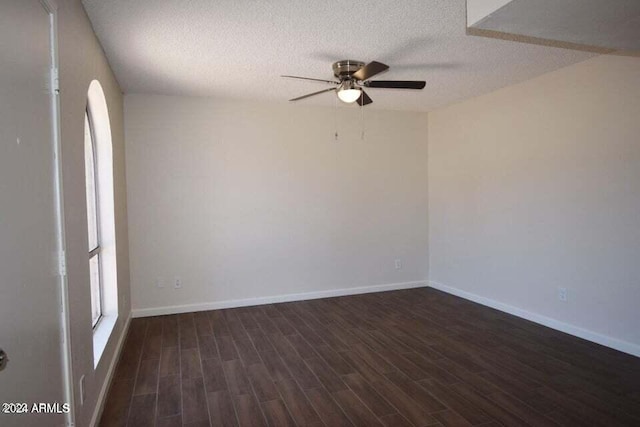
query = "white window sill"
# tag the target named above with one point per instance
(101, 335)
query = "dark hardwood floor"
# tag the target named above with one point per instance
(416, 357)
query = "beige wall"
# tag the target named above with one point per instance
(81, 61)
(537, 186)
(245, 200)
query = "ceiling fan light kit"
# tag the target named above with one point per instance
(348, 92)
(353, 76)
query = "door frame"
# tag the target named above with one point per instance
(51, 8)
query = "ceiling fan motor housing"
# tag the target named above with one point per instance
(345, 68)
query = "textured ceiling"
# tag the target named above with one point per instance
(238, 49)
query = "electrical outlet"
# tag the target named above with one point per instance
(160, 282)
(398, 264)
(177, 284)
(83, 394)
(563, 294)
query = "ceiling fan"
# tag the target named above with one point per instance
(353, 77)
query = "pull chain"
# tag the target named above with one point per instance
(362, 111)
(335, 116)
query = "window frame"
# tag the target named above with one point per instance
(96, 251)
(112, 299)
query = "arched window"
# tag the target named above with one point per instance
(93, 219)
(101, 251)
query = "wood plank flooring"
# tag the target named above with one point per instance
(416, 357)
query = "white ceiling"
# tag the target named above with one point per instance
(238, 48)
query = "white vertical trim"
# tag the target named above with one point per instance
(62, 261)
(65, 330)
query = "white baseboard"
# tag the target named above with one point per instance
(216, 305)
(97, 412)
(616, 344)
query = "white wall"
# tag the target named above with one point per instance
(244, 201)
(29, 282)
(537, 186)
(81, 61)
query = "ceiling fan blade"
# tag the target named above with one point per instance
(309, 78)
(364, 99)
(370, 70)
(396, 84)
(312, 94)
